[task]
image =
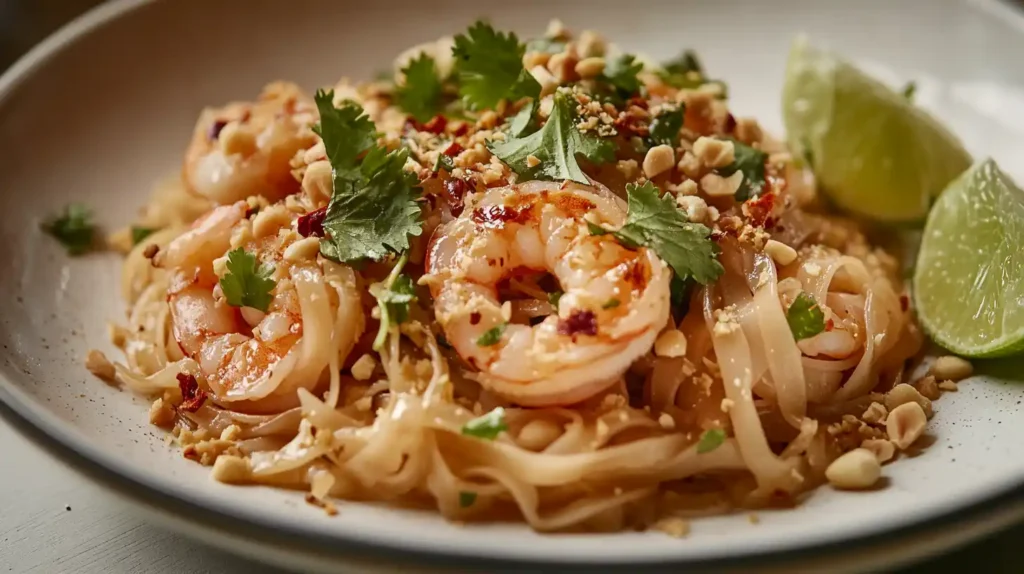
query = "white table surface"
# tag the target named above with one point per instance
(53, 520)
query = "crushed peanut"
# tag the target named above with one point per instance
(658, 160)
(98, 364)
(781, 253)
(670, 343)
(951, 367)
(857, 469)
(713, 152)
(905, 424)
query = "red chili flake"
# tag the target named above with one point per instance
(461, 130)
(215, 129)
(730, 123)
(193, 396)
(904, 303)
(312, 224)
(474, 318)
(830, 324)
(436, 125)
(454, 191)
(498, 215)
(453, 150)
(759, 209)
(579, 322)
(638, 102)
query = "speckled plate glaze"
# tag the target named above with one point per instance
(101, 110)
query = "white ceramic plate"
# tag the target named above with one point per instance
(104, 108)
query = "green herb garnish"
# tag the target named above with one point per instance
(621, 75)
(393, 296)
(557, 145)
(805, 317)
(611, 303)
(73, 228)
(139, 234)
(443, 162)
(524, 122)
(750, 161)
(710, 440)
(490, 67)
(488, 426)
(554, 297)
(420, 95)
(665, 126)
(373, 210)
(466, 498)
(245, 284)
(492, 336)
(657, 222)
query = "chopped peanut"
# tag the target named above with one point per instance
(671, 343)
(696, 208)
(231, 469)
(905, 424)
(780, 252)
(951, 367)
(854, 470)
(882, 449)
(658, 160)
(714, 152)
(904, 393)
(590, 67)
(363, 368)
(718, 186)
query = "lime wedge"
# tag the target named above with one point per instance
(874, 153)
(969, 279)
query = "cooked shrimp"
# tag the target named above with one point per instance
(616, 300)
(251, 359)
(246, 149)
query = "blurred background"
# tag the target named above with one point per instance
(23, 23)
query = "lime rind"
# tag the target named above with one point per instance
(873, 152)
(969, 277)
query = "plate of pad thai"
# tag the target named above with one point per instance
(542, 296)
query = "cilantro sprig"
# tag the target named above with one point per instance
(805, 317)
(490, 67)
(73, 228)
(139, 234)
(556, 144)
(656, 222)
(373, 210)
(247, 284)
(492, 336)
(393, 296)
(487, 426)
(750, 161)
(421, 94)
(686, 72)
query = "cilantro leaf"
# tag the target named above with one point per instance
(245, 284)
(347, 132)
(393, 299)
(141, 233)
(556, 145)
(373, 210)
(488, 426)
(443, 162)
(490, 67)
(665, 126)
(621, 74)
(710, 440)
(685, 63)
(466, 498)
(656, 222)
(73, 228)
(523, 122)
(611, 303)
(750, 161)
(492, 336)
(420, 95)
(805, 317)
(686, 72)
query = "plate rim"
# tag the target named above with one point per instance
(46, 430)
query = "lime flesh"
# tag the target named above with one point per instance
(873, 152)
(969, 278)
